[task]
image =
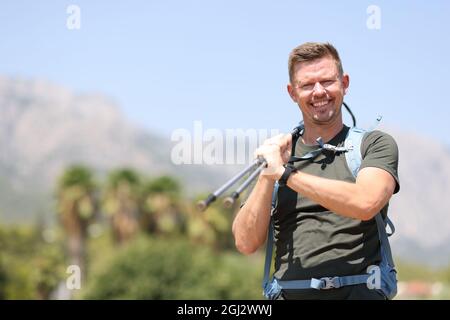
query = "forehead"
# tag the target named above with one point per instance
(315, 69)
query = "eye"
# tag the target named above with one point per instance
(307, 86)
(327, 83)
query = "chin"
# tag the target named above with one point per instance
(325, 119)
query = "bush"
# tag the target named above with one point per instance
(150, 268)
(29, 267)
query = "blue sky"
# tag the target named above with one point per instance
(169, 63)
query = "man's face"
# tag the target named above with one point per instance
(319, 90)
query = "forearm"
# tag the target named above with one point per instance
(252, 220)
(344, 198)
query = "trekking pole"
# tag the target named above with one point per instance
(258, 165)
(229, 201)
(203, 204)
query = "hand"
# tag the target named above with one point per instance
(276, 151)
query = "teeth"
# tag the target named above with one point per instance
(320, 103)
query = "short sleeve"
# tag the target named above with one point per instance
(379, 150)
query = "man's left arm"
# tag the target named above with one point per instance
(361, 200)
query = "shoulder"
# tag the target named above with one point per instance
(376, 140)
(377, 134)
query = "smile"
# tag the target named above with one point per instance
(322, 103)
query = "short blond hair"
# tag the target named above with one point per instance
(311, 51)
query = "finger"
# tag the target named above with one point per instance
(273, 140)
(257, 153)
(286, 156)
(261, 151)
(285, 142)
(287, 139)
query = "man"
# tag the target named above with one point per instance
(324, 221)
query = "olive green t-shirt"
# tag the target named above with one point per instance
(312, 241)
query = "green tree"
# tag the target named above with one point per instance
(153, 268)
(48, 271)
(30, 268)
(121, 203)
(212, 227)
(3, 279)
(161, 206)
(76, 206)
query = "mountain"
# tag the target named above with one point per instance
(420, 210)
(45, 127)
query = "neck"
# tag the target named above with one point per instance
(325, 131)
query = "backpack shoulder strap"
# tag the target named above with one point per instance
(353, 144)
(354, 158)
(269, 245)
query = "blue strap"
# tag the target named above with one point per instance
(384, 242)
(354, 158)
(324, 283)
(269, 246)
(353, 145)
(268, 260)
(391, 226)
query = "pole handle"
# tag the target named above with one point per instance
(203, 204)
(229, 201)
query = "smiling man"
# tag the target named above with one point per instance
(325, 227)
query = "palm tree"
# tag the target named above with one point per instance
(121, 202)
(76, 206)
(160, 206)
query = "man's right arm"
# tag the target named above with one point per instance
(252, 221)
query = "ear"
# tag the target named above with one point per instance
(292, 92)
(345, 82)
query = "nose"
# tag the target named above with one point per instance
(318, 90)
